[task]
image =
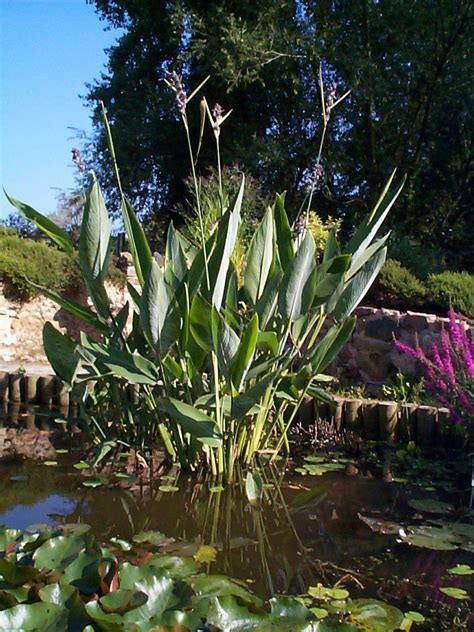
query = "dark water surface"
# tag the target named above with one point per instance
(307, 530)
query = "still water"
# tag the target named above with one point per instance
(308, 529)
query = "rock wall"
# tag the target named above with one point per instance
(370, 357)
(21, 326)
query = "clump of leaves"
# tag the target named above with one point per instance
(60, 578)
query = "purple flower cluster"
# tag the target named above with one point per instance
(449, 372)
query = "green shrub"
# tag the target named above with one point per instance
(320, 229)
(398, 288)
(24, 260)
(420, 259)
(451, 288)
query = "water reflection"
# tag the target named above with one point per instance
(306, 530)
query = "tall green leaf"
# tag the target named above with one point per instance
(137, 241)
(330, 345)
(154, 304)
(367, 231)
(358, 286)
(284, 240)
(245, 353)
(259, 259)
(45, 225)
(94, 240)
(292, 299)
(191, 419)
(220, 258)
(61, 353)
(79, 311)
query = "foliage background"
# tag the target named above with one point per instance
(407, 63)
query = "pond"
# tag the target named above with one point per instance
(388, 522)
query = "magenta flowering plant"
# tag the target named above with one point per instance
(449, 369)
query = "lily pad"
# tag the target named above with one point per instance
(322, 468)
(324, 593)
(414, 616)
(156, 538)
(430, 505)
(455, 593)
(372, 615)
(168, 489)
(92, 482)
(436, 538)
(461, 569)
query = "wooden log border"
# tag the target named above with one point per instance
(371, 419)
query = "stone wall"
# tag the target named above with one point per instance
(21, 327)
(370, 356)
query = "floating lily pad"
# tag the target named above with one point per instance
(455, 593)
(62, 451)
(319, 613)
(414, 616)
(372, 615)
(50, 463)
(430, 505)
(82, 465)
(92, 482)
(436, 538)
(320, 469)
(380, 526)
(324, 593)
(315, 459)
(461, 569)
(166, 489)
(156, 538)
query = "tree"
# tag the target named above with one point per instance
(407, 64)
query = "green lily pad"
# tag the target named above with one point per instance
(315, 459)
(372, 615)
(92, 482)
(436, 538)
(47, 617)
(81, 465)
(322, 468)
(414, 616)
(57, 553)
(319, 613)
(168, 489)
(156, 538)
(122, 600)
(227, 613)
(324, 593)
(455, 593)
(431, 505)
(50, 463)
(461, 569)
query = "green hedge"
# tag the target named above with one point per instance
(23, 260)
(455, 288)
(398, 288)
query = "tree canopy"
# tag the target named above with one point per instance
(407, 65)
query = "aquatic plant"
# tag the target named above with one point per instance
(218, 369)
(58, 578)
(449, 370)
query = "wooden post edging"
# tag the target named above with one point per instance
(387, 421)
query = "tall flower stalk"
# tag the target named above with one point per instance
(449, 370)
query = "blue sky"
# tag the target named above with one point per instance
(49, 49)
